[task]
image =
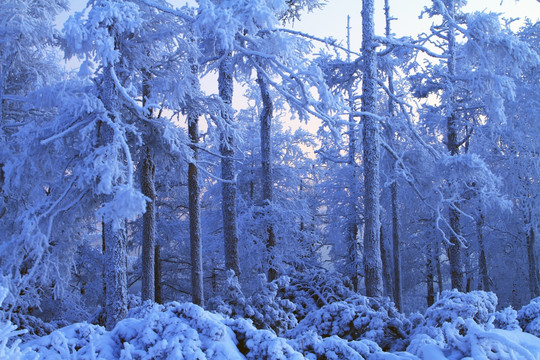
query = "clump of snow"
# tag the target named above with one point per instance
(529, 317)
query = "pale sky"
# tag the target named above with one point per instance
(332, 19)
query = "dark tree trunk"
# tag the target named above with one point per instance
(455, 253)
(157, 274)
(482, 261)
(228, 187)
(387, 268)
(149, 226)
(371, 133)
(531, 255)
(197, 290)
(395, 247)
(148, 189)
(430, 274)
(266, 162)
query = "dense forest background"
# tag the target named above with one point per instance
(313, 173)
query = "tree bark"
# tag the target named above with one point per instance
(114, 237)
(455, 253)
(482, 261)
(197, 289)
(266, 164)
(148, 188)
(386, 267)
(396, 256)
(115, 274)
(149, 226)
(370, 132)
(228, 187)
(157, 274)
(531, 255)
(397, 291)
(430, 272)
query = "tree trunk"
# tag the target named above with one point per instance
(370, 132)
(387, 269)
(115, 274)
(397, 291)
(531, 255)
(149, 226)
(148, 189)
(266, 163)
(114, 236)
(197, 289)
(455, 253)
(482, 261)
(228, 187)
(430, 274)
(157, 274)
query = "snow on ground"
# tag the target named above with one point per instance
(458, 326)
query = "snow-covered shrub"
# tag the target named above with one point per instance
(258, 344)
(66, 342)
(314, 347)
(311, 289)
(171, 331)
(529, 317)
(476, 305)
(9, 349)
(358, 317)
(506, 319)
(174, 331)
(464, 338)
(265, 307)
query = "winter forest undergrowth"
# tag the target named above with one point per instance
(210, 183)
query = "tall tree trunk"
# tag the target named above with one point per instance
(531, 255)
(114, 236)
(370, 132)
(197, 290)
(149, 226)
(386, 267)
(148, 189)
(353, 219)
(115, 274)
(482, 261)
(430, 272)
(397, 291)
(266, 162)
(455, 253)
(228, 187)
(157, 274)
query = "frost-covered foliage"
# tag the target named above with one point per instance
(506, 319)
(334, 347)
(9, 348)
(475, 305)
(311, 289)
(466, 325)
(180, 331)
(529, 317)
(186, 331)
(264, 307)
(358, 317)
